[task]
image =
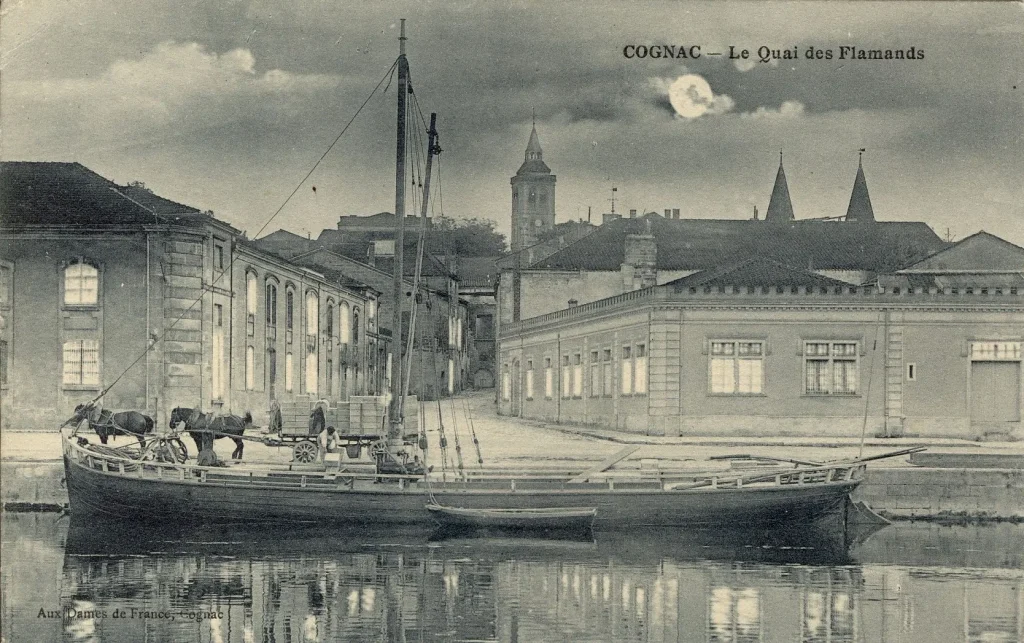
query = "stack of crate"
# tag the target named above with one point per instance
(295, 418)
(339, 417)
(366, 414)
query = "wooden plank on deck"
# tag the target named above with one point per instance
(608, 462)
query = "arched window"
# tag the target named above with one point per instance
(289, 313)
(271, 304)
(346, 323)
(312, 313)
(312, 328)
(329, 320)
(81, 284)
(355, 326)
(251, 303)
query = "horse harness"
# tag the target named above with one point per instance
(108, 415)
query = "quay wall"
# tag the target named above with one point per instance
(33, 486)
(947, 493)
(906, 493)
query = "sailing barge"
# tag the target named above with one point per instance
(105, 483)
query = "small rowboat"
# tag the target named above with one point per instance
(560, 518)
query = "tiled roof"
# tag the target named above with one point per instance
(477, 271)
(701, 244)
(341, 243)
(981, 251)
(756, 272)
(69, 194)
(960, 280)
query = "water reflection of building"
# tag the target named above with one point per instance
(417, 593)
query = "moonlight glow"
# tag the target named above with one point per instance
(691, 96)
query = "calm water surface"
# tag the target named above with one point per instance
(908, 582)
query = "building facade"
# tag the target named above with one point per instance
(109, 288)
(440, 361)
(761, 349)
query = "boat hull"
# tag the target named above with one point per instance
(192, 497)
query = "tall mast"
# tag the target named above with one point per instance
(395, 410)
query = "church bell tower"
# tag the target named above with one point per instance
(533, 196)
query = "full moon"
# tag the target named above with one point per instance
(690, 95)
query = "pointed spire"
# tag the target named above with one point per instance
(780, 208)
(860, 201)
(533, 151)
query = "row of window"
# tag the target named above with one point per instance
(348, 318)
(737, 367)
(632, 374)
(734, 368)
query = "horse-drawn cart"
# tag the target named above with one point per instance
(359, 424)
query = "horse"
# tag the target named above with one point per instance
(107, 423)
(222, 426)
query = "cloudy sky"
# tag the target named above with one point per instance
(227, 105)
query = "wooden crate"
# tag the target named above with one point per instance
(295, 418)
(366, 413)
(338, 417)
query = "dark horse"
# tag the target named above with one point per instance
(223, 426)
(107, 423)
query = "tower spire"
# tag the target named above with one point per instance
(533, 150)
(860, 201)
(780, 208)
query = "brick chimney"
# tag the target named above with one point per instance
(639, 266)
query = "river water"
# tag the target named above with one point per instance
(907, 582)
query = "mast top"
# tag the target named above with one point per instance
(401, 38)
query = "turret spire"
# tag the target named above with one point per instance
(780, 208)
(860, 201)
(533, 151)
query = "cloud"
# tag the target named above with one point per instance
(788, 109)
(690, 96)
(746, 64)
(174, 88)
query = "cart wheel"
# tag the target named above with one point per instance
(304, 452)
(179, 449)
(378, 449)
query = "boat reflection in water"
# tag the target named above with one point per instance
(237, 584)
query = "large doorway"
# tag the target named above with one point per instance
(995, 392)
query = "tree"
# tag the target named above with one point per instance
(465, 238)
(569, 230)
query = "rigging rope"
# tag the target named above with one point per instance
(472, 430)
(235, 256)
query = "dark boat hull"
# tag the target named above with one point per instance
(189, 500)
